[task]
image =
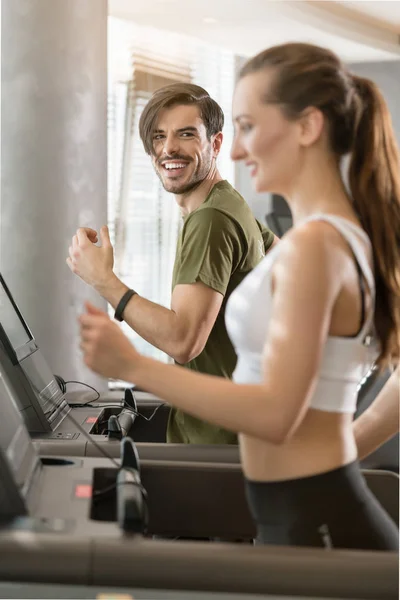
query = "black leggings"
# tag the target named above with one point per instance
(331, 510)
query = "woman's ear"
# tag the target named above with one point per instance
(311, 125)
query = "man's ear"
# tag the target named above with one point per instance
(217, 143)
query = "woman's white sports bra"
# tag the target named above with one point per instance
(345, 360)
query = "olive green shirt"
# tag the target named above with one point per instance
(220, 243)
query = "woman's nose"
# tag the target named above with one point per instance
(237, 150)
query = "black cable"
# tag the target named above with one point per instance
(88, 386)
(113, 487)
(106, 490)
(61, 383)
(138, 414)
(101, 406)
(63, 386)
(132, 406)
(126, 405)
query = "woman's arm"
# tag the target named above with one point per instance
(380, 421)
(305, 286)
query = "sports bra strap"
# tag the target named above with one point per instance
(353, 235)
(362, 292)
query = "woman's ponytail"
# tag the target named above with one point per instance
(374, 178)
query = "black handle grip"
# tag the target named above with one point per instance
(114, 428)
(126, 419)
(131, 509)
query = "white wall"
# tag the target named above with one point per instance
(54, 162)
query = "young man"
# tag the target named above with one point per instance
(220, 243)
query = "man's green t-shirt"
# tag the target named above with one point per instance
(220, 243)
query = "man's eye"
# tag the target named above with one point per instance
(245, 127)
(187, 134)
(158, 136)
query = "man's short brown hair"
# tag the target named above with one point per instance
(175, 94)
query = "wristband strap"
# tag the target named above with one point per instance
(122, 304)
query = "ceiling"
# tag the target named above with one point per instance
(359, 31)
(386, 13)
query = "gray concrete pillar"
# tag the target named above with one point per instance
(54, 162)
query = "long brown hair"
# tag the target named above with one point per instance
(358, 121)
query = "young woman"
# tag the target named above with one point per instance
(301, 322)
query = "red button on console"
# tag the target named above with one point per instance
(91, 420)
(83, 490)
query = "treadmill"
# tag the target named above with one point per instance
(53, 543)
(84, 494)
(45, 405)
(40, 398)
(47, 409)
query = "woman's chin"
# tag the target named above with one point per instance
(259, 185)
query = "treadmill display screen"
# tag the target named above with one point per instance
(39, 396)
(11, 322)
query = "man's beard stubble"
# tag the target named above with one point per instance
(196, 179)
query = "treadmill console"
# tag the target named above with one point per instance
(40, 399)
